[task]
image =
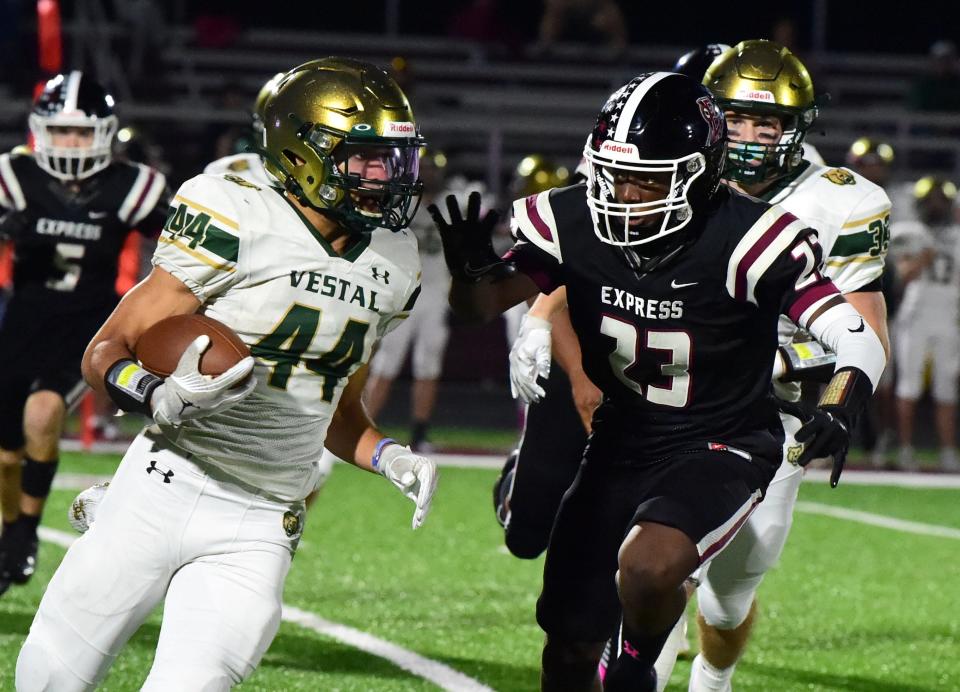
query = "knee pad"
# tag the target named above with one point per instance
(729, 610)
(39, 670)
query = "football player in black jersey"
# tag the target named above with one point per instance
(67, 208)
(674, 287)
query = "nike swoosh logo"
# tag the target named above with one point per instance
(475, 273)
(858, 329)
(98, 214)
(674, 284)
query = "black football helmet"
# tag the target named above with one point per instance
(660, 122)
(73, 100)
(695, 63)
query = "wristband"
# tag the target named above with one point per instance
(375, 459)
(130, 386)
(847, 393)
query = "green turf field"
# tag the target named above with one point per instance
(852, 607)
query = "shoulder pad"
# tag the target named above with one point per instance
(534, 222)
(772, 234)
(11, 194)
(148, 185)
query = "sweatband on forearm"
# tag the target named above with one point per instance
(130, 387)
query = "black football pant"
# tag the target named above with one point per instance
(550, 452)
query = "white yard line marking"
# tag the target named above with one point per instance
(879, 520)
(439, 674)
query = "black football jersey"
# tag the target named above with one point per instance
(684, 352)
(67, 240)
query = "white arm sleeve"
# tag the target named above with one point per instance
(844, 331)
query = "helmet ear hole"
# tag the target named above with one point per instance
(293, 158)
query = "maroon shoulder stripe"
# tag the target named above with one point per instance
(143, 195)
(747, 261)
(808, 296)
(542, 228)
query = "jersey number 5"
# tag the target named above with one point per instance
(676, 391)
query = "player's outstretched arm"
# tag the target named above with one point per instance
(860, 362)
(352, 436)
(484, 285)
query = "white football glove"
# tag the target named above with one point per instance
(186, 394)
(414, 475)
(530, 358)
(83, 510)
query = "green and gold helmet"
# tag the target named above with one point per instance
(536, 173)
(763, 78)
(265, 91)
(340, 136)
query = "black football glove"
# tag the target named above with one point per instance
(467, 247)
(827, 432)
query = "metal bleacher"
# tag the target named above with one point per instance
(489, 108)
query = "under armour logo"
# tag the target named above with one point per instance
(385, 276)
(167, 475)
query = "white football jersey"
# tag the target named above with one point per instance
(852, 218)
(932, 300)
(310, 317)
(247, 166)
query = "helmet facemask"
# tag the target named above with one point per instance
(752, 163)
(68, 162)
(631, 224)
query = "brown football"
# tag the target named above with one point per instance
(160, 347)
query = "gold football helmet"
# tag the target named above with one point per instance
(265, 91)
(867, 149)
(536, 173)
(340, 136)
(764, 78)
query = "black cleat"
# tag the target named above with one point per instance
(20, 560)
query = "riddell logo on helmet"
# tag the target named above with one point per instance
(755, 95)
(609, 146)
(401, 129)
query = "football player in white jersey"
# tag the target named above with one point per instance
(206, 508)
(249, 166)
(927, 252)
(768, 99)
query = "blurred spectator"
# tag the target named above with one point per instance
(939, 89)
(927, 330)
(597, 22)
(426, 330)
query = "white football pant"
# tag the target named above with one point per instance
(915, 346)
(214, 553)
(730, 581)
